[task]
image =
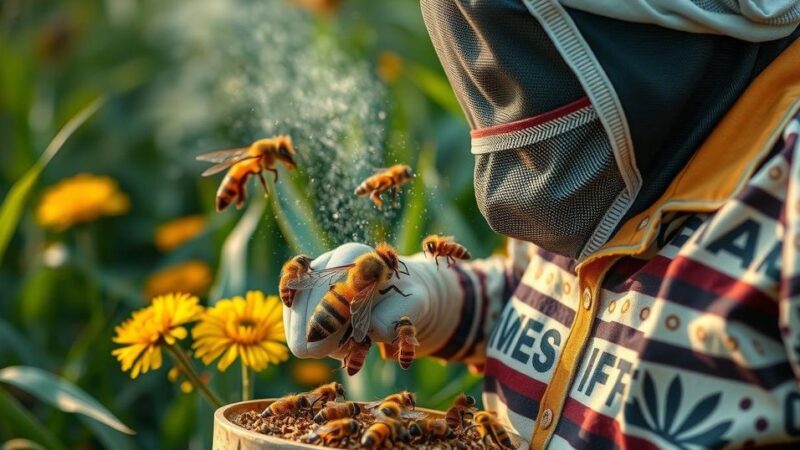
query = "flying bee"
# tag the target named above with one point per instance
(287, 406)
(356, 352)
(461, 411)
(430, 429)
(243, 162)
(293, 269)
(392, 178)
(438, 245)
(406, 341)
(492, 431)
(352, 298)
(333, 411)
(326, 393)
(334, 432)
(385, 431)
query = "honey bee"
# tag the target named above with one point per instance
(385, 431)
(287, 406)
(334, 432)
(293, 269)
(460, 411)
(406, 341)
(430, 429)
(353, 297)
(392, 178)
(356, 352)
(492, 431)
(326, 393)
(333, 411)
(438, 245)
(242, 162)
(394, 405)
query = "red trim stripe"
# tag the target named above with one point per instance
(593, 422)
(586, 418)
(531, 121)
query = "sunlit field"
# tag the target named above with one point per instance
(116, 270)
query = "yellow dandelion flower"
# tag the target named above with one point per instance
(250, 328)
(390, 66)
(149, 328)
(175, 233)
(311, 372)
(193, 277)
(82, 198)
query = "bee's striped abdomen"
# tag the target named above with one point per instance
(228, 192)
(406, 356)
(460, 252)
(330, 315)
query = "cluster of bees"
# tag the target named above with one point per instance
(353, 287)
(395, 420)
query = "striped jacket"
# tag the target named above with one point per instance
(683, 331)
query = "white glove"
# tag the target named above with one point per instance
(434, 300)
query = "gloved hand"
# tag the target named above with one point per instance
(435, 298)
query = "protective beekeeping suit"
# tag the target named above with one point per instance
(641, 153)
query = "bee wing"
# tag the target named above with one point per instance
(216, 168)
(223, 156)
(413, 415)
(373, 405)
(517, 441)
(361, 311)
(324, 429)
(314, 278)
(411, 340)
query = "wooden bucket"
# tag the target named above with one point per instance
(230, 436)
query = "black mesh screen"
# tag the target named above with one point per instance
(526, 193)
(500, 63)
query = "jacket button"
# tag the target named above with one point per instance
(547, 418)
(587, 299)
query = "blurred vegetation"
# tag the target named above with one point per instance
(168, 73)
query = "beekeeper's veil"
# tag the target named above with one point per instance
(583, 111)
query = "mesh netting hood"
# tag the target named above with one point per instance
(579, 120)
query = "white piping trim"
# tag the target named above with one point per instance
(578, 55)
(533, 134)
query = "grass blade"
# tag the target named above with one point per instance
(436, 87)
(296, 219)
(14, 203)
(63, 395)
(412, 224)
(24, 423)
(21, 444)
(233, 262)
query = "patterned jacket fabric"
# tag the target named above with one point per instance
(684, 332)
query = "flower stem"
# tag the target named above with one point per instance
(247, 393)
(182, 360)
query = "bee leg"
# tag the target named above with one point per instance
(263, 184)
(393, 287)
(394, 195)
(405, 268)
(376, 198)
(436, 258)
(275, 171)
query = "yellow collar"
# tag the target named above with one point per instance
(726, 160)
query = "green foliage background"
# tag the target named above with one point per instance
(57, 57)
